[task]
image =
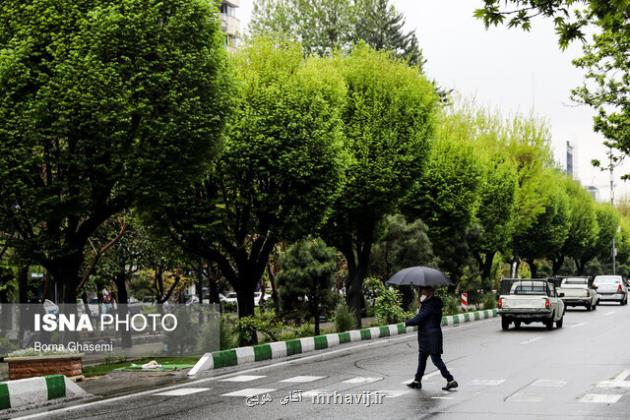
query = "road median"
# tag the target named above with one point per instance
(25, 393)
(280, 349)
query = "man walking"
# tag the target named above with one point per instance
(428, 320)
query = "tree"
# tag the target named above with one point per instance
(583, 228)
(606, 88)
(103, 106)
(402, 244)
(445, 197)
(280, 168)
(570, 20)
(547, 234)
(323, 26)
(381, 26)
(495, 214)
(607, 222)
(605, 57)
(306, 279)
(388, 123)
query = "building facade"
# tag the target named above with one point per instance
(230, 24)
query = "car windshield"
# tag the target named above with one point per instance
(529, 289)
(575, 281)
(231, 295)
(607, 279)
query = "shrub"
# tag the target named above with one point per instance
(344, 317)
(489, 301)
(228, 335)
(264, 322)
(451, 305)
(387, 307)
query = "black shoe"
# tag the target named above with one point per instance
(450, 385)
(415, 384)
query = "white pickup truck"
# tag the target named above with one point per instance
(530, 300)
(578, 292)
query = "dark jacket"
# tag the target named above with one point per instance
(429, 320)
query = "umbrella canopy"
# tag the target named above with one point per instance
(419, 276)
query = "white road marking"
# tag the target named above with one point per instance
(601, 398)
(579, 324)
(362, 380)
(248, 392)
(487, 382)
(441, 398)
(301, 379)
(181, 392)
(618, 382)
(531, 340)
(392, 393)
(609, 313)
(430, 375)
(243, 378)
(549, 383)
(315, 392)
(322, 355)
(525, 397)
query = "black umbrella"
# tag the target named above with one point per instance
(419, 276)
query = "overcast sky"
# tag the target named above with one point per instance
(509, 70)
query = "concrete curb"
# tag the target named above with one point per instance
(278, 349)
(38, 390)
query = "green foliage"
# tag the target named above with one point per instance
(388, 307)
(305, 281)
(389, 121)
(263, 322)
(103, 105)
(402, 244)
(228, 332)
(446, 195)
(344, 317)
(280, 168)
(324, 26)
(488, 300)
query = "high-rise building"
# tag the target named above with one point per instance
(570, 159)
(230, 24)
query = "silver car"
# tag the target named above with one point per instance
(611, 288)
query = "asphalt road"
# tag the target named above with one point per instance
(578, 371)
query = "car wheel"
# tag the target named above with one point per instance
(505, 324)
(559, 322)
(549, 324)
(595, 306)
(517, 324)
(588, 307)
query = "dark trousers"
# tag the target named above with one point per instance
(437, 361)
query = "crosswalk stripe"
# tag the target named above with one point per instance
(301, 379)
(180, 392)
(549, 383)
(242, 378)
(362, 380)
(487, 382)
(392, 393)
(248, 392)
(600, 398)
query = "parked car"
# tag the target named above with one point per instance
(578, 292)
(611, 288)
(530, 300)
(230, 298)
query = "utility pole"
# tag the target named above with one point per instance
(612, 203)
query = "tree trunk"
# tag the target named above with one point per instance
(581, 266)
(274, 290)
(315, 312)
(533, 268)
(23, 285)
(65, 272)
(213, 285)
(123, 299)
(486, 269)
(245, 301)
(557, 264)
(200, 282)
